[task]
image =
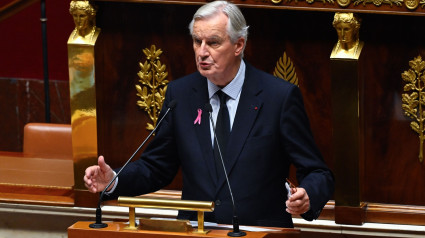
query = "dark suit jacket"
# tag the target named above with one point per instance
(270, 131)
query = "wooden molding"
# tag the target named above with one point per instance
(392, 7)
(395, 214)
(380, 213)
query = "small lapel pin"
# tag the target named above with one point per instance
(198, 118)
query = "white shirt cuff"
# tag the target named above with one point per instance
(113, 187)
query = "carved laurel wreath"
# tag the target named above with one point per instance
(413, 102)
(153, 81)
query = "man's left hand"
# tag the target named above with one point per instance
(299, 202)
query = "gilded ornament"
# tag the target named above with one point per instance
(411, 4)
(84, 16)
(153, 85)
(413, 101)
(285, 70)
(343, 3)
(379, 2)
(308, 1)
(422, 2)
(276, 1)
(347, 26)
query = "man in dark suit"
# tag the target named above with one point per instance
(269, 130)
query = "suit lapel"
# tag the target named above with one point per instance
(248, 108)
(199, 100)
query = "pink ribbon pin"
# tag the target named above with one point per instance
(198, 118)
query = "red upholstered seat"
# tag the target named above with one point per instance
(48, 140)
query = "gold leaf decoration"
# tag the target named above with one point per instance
(308, 1)
(413, 101)
(153, 84)
(343, 3)
(379, 2)
(285, 70)
(411, 4)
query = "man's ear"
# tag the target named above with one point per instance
(239, 45)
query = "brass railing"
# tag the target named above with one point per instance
(199, 206)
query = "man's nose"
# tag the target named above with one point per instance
(203, 50)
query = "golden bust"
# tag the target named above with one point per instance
(84, 15)
(347, 26)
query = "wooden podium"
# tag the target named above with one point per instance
(116, 230)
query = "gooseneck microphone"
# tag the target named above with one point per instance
(98, 223)
(236, 232)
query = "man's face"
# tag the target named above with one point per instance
(217, 58)
(345, 32)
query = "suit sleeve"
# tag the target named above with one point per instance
(312, 173)
(157, 165)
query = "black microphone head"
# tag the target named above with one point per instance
(208, 107)
(172, 104)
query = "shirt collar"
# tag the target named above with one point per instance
(233, 88)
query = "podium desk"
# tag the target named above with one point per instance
(116, 230)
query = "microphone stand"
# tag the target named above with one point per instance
(98, 223)
(236, 232)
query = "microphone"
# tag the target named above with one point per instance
(236, 232)
(99, 223)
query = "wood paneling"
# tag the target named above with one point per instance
(392, 172)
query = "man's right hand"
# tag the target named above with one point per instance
(97, 177)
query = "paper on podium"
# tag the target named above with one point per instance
(212, 225)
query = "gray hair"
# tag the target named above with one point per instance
(236, 25)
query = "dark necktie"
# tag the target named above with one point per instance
(222, 131)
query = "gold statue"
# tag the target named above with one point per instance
(84, 15)
(347, 26)
(81, 65)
